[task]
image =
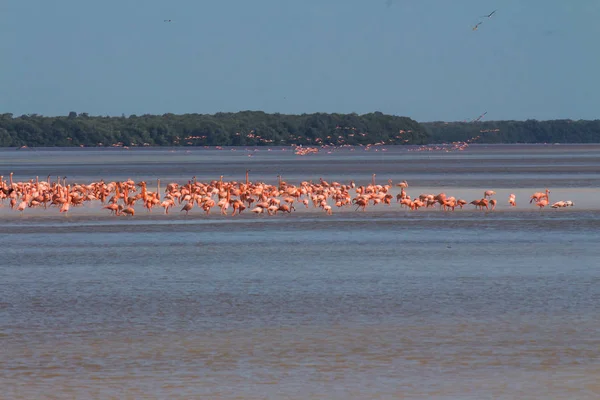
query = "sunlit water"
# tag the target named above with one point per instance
(382, 304)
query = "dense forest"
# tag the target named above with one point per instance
(530, 131)
(247, 128)
(255, 128)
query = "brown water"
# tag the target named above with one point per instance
(383, 304)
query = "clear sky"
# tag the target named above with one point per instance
(419, 58)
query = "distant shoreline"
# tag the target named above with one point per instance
(256, 128)
(265, 148)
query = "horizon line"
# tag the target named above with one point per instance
(288, 114)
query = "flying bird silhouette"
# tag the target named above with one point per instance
(477, 26)
(167, 20)
(489, 15)
(479, 118)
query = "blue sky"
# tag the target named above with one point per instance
(419, 58)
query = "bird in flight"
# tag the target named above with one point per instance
(167, 20)
(481, 116)
(477, 26)
(489, 15)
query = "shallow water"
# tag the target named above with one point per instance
(522, 166)
(382, 304)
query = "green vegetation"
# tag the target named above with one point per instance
(247, 128)
(530, 131)
(255, 128)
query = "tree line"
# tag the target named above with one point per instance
(530, 131)
(247, 128)
(256, 128)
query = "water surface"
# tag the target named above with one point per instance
(383, 304)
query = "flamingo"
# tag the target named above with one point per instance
(187, 207)
(112, 207)
(539, 195)
(22, 206)
(128, 211)
(542, 203)
(480, 203)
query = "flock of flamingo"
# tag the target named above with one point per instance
(120, 198)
